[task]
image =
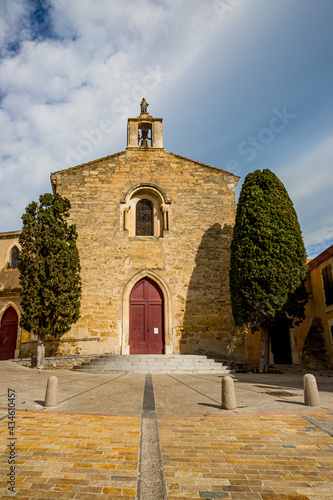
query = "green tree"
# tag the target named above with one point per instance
(49, 268)
(268, 259)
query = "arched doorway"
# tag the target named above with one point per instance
(146, 335)
(280, 342)
(8, 334)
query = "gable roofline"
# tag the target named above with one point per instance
(115, 155)
(204, 164)
(322, 257)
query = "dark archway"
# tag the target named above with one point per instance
(146, 332)
(8, 334)
(280, 342)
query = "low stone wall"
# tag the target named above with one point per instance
(59, 362)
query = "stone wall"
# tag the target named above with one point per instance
(189, 261)
(313, 337)
(61, 362)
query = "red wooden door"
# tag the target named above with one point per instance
(146, 334)
(8, 334)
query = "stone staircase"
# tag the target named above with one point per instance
(153, 363)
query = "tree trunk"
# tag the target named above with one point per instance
(264, 350)
(40, 351)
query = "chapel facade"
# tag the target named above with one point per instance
(154, 233)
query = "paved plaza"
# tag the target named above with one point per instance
(272, 447)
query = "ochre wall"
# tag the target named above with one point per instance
(253, 347)
(316, 308)
(319, 307)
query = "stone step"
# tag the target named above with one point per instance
(148, 363)
(158, 371)
(152, 363)
(155, 357)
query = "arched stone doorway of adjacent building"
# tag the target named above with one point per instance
(8, 334)
(146, 318)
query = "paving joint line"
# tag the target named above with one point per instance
(195, 390)
(88, 390)
(320, 426)
(151, 480)
(63, 382)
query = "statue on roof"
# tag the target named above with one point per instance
(144, 105)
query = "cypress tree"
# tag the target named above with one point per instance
(49, 268)
(268, 259)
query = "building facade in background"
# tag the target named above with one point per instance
(310, 343)
(315, 334)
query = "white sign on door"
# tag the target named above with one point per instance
(156, 330)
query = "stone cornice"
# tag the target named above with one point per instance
(10, 234)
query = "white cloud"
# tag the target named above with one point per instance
(102, 58)
(225, 70)
(14, 23)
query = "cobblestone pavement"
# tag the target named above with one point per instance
(272, 447)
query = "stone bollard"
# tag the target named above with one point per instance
(51, 395)
(228, 394)
(311, 395)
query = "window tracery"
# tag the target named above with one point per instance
(144, 218)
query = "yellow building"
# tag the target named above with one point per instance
(311, 343)
(315, 336)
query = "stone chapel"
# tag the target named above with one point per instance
(154, 235)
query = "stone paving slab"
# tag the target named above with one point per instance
(249, 456)
(71, 456)
(254, 392)
(121, 394)
(78, 392)
(88, 446)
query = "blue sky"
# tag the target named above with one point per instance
(240, 84)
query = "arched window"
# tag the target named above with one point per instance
(14, 257)
(144, 218)
(145, 211)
